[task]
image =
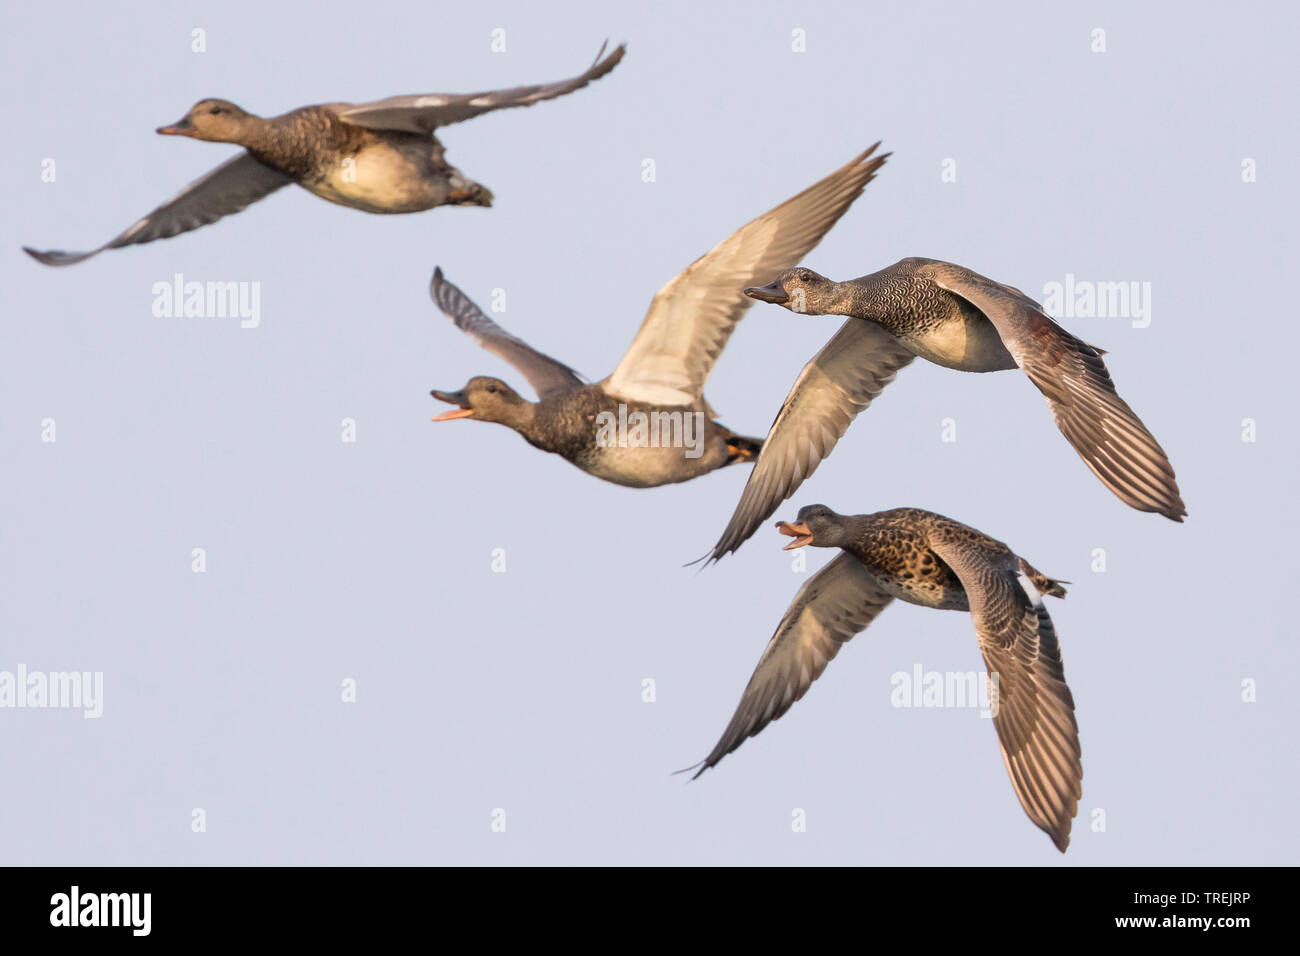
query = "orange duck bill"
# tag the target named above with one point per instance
(452, 398)
(799, 532)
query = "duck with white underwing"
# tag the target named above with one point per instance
(956, 318)
(648, 423)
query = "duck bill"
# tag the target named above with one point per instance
(182, 127)
(452, 398)
(772, 292)
(799, 532)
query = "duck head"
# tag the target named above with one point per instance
(816, 525)
(799, 290)
(217, 121)
(487, 400)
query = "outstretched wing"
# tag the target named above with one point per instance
(1033, 709)
(544, 373)
(837, 602)
(693, 316)
(1109, 437)
(425, 112)
(235, 184)
(840, 381)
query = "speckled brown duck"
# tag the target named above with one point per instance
(380, 157)
(924, 558)
(663, 373)
(959, 319)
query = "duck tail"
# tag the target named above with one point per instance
(1044, 584)
(740, 448)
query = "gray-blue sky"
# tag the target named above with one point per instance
(522, 690)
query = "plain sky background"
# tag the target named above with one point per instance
(522, 691)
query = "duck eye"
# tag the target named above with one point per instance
(492, 389)
(215, 110)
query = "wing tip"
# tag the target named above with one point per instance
(1059, 829)
(708, 557)
(438, 286)
(699, 768)
(599, 67)
(1168, 504)
(56, 257)
(1061, 838)
(868, 160)
(720, 550)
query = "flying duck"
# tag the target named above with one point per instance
(924, 558)
(380, 157)
(648, 422)
(959, 319)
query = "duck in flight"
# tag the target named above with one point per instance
(662, 375)
(380, 157)
(959, 319)
(926, 559)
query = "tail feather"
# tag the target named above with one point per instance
(1044, 584)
